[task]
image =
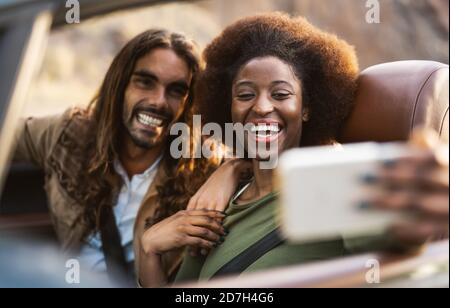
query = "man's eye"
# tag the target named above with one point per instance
(142, 82)
(179, 92)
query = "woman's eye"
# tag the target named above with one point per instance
(245, 96)
(281, 95)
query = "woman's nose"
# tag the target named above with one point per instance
(263, 106)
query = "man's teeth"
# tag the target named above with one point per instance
(149, 120)
(264, 130)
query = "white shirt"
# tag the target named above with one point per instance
(128, 203)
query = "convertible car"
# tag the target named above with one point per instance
(393, 98)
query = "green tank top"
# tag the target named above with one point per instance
(248, 224)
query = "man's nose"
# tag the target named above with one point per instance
(158, 97)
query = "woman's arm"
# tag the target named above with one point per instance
(217, 191)
(196, 228)
(151, 271)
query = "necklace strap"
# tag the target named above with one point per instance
(241, 191)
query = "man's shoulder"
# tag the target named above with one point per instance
(76, 124)
(77, 116)
(57, 124)
(75, 136)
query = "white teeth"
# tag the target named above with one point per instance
(149, 120)
(264, 134)
(263, 128)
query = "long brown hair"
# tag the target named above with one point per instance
(101, 184)
(107, 107)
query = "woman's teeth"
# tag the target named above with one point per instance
(264, 130)
(149, 120)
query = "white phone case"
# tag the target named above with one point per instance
(321, 190)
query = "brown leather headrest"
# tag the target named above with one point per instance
(393, 98)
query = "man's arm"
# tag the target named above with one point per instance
(35, 137)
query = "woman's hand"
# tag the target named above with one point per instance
(419, 184)
(217, 191)
(201, 229)
(197, 228)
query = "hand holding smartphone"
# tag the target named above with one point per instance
(324, 190)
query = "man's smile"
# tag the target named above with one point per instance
(149, 120)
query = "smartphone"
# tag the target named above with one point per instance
(321, 191)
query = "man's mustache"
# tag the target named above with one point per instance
(150, 108)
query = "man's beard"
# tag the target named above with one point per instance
(141, 138)
(139, 142)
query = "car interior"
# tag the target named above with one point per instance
(392, 100)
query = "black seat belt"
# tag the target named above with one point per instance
(116, 265)
(251, 254)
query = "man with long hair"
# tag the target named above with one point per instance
(106, 162)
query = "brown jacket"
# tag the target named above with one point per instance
(55, 144)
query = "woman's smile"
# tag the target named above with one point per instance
(265, 131)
